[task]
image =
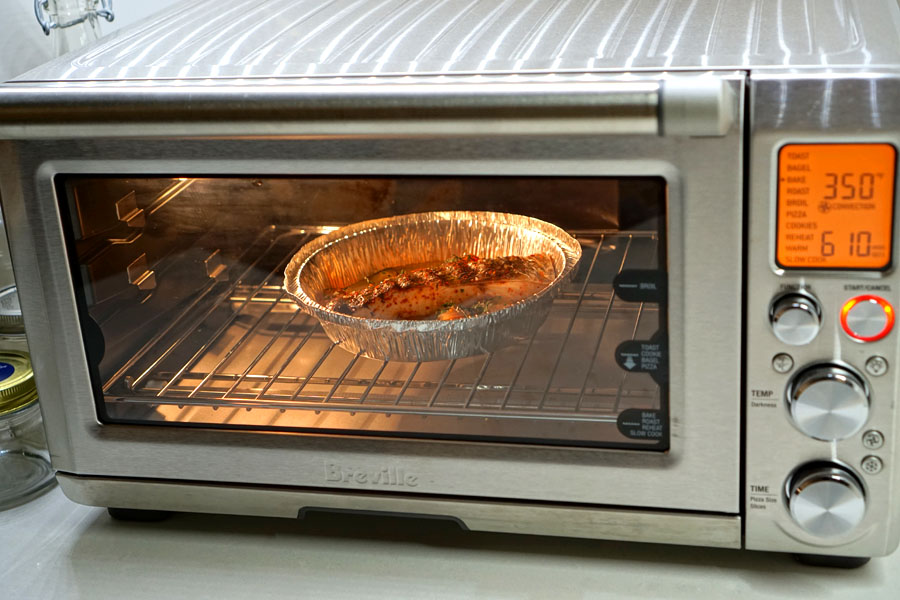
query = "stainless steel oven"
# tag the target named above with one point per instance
(720, 370)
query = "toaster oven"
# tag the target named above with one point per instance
(721, 369)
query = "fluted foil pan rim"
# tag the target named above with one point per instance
(423, 340)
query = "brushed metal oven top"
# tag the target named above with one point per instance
(234, 39)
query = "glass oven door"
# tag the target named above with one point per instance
(179, 283)
(150, 257)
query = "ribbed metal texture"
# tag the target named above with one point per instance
(302, 38)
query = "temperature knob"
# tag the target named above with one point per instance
(828, 402)
(796, 318)
(826, 499)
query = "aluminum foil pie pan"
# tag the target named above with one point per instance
(347, 255)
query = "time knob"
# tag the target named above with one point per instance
(825, 499)
(828, 402)
(795, 318)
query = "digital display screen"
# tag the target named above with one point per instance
(835, 206)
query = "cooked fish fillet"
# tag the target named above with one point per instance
(457, 288)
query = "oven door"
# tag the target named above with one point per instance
(150, 262)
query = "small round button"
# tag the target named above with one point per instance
(873, 439)
(871, 465)
(877, 366)
(867, 318)
(782, 362)
(795, 318)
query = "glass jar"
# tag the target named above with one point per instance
(73, 23)
(25, 470)
(11, 323)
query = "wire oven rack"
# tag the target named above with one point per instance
(250, 347)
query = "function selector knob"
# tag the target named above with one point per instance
(828, 402)
(795, 317)
(826, 500)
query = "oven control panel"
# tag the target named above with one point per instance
(821, 377)
(822, 361)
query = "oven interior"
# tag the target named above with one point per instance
(178, 283)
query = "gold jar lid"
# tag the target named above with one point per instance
(17, 388)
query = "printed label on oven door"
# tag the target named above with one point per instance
(640, 285)
(389, 476)
(641, 424)
(639, 356)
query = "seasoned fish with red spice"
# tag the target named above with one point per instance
(460, 287)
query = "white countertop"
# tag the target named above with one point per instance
(52, 548)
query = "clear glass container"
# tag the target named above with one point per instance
(11, 322)
(66, 39)
(25, 470)
(72, 24)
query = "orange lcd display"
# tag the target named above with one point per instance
(835, 206)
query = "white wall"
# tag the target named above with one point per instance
(24, 46)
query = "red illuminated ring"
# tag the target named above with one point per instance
(885, 306)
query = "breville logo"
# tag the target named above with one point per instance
(386, 476)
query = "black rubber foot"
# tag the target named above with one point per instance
(834, 562)
(137, 514)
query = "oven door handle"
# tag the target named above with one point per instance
(697, 106)
(678, 105)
